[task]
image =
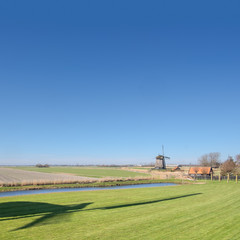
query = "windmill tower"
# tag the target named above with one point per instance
(160, 160)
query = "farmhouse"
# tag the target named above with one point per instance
(200, 171)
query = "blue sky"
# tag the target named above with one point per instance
(109, 82)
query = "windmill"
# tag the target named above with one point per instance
(160, 160)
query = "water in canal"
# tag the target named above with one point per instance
(29, 192)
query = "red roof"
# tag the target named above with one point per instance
(200, 170)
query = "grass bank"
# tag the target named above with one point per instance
(106, 183)
(207, 211)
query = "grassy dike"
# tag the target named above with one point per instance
(121, 182)
(190, 211)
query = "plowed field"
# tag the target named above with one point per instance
(9, 175)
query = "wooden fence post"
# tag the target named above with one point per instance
(228, 178)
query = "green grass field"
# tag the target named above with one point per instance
(87, 171)
(204, 211)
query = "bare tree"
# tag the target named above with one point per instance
(229, 166)
(214, 159)
(203, 160)
(210, 160)
(237, 159)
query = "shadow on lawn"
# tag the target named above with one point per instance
(149, 202)
(47, 211)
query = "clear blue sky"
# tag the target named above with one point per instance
(109, 82)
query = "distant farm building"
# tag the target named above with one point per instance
(175, 169)
(200, 171)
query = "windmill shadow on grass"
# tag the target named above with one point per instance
(148, 202)
(47, 211)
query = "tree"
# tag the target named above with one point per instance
(203, 160)
(210, 160)
(214, 159)
(237, 159)
(228, 167)
(42, 165)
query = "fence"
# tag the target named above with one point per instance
(219, 177)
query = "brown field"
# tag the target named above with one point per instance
(162, 174)
(9, 176)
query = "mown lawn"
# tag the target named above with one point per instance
(87, 172)
(204, 211)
